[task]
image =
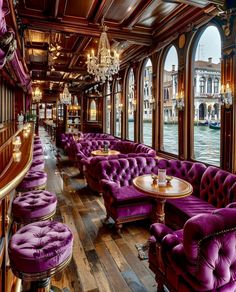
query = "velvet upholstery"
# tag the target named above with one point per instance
(37, 165)
(84, 149)
(32, 205)
(117, 176)
(200, 257)
(40, 247)
(33, 180)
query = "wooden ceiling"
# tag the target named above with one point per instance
(58, 34)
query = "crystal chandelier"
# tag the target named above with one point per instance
(105, 64)
(36, 95)
(65, 96)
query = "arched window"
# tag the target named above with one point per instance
(131, 105)
(147, 102)
(118, 109)
(92, 111)
(108, 107)
(206, 108)
(209, 85)
(170, 112)
(216, 85)
(202, 84)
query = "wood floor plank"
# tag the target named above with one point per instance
(88, 282)
(116, 280)
(126, 271)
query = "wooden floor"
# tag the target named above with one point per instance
(102, 259)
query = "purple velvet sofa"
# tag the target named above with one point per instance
(199, 257)
(122, 201)
(126, 149)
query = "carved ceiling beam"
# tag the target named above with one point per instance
(198, 3)
(102, 11)
(83, 44)
(41, 67)
(55, 11)
(59, 79)
(137, 36)
(138, 11)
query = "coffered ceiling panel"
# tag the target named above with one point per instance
(58, 34)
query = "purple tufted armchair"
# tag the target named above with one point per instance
(199, 257)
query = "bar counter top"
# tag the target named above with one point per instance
(15, 171)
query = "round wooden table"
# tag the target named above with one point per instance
(104, 153)
(175, 189)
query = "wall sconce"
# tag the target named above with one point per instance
(134, 104)
(120, 106)
(180, 100)
(16, 156)
(16, 143)
(226, 95)
(153, 103)
(16, 149)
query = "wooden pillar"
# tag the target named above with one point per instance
(228, 117)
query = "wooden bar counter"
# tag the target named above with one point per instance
(11, 174)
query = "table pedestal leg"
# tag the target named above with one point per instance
(159, 211)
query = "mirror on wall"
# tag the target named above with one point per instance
(92, 110)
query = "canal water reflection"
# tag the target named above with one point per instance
(206, 141)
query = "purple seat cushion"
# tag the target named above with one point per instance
(34, 204)
(33, 179)
(178, 211)
(37, 165)
(38, 156)
(40, 246)
(37, 151)
(37, 146)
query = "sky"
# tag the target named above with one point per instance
(209, 46)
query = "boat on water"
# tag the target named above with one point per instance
(215, 126)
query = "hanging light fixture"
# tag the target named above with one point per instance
(105, 64)
(65, 96)
(37, 95)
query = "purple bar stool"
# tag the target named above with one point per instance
(38, 151)
(38, 156)
(37, 165)
(34, 206)
(38, 251)
(33, 180)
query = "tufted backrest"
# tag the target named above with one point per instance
(209, 244)
(187, 170)
(131, 147)
(124, 171)
(86, 147)
(97, 136)
(218, 187)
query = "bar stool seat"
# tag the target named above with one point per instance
(33, 180)
(38, 156)
(38, 151)
(37, 165)
(37, 142)
(38, 146)
(34, 206)
(39, 250)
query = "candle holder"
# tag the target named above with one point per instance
(16, 143)
(180, 101)
(226, 95)
(16, 156)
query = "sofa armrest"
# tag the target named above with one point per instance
(231, 205)
(80, 156)
(109, 186)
